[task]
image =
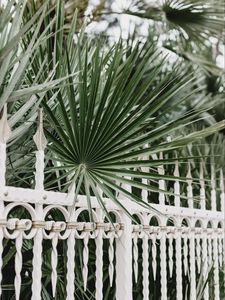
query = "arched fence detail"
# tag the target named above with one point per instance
(176, 240)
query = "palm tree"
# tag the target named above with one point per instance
(107, 110)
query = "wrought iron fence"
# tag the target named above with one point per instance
(170, 241)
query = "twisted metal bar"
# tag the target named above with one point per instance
(170, 252)
(192, 266)
(18, 264)
(178, 266)
(154, 253)
(145, 266)
(70, 276)
(111, 259)
(99, 266)
(85, 260)
(205, 264)
(54, 261)
(163, 266)
(185, 249)
(220, 251)
(135, 256)
(209, 252)
(216, 269)
(198, 253)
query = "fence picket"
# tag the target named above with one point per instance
(163, 265)
(99, 258)
(192, 264)
(189, 187)
(70, 286)
(145, 266)
(18, 264)
(124, 261)
(213, 189)
(176, 185)
(216, 268)
(222, 191)
(4, 135)
(178, 266)
(205, 262)
(162, 185)
(202, 187)
(41, 143)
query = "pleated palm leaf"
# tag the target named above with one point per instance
(20, 89)
(116, 111)
(196, 20)
(108, 124)
(199, 19)
(23, 98)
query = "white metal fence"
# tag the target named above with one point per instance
(178, 241)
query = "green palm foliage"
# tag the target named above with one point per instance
(114, 114)
(22, 96)
(195, 19)
(108, 111)
(199, 19)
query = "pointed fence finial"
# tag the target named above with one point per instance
(161, 184)
(189, 187)
(5, 132)
(202, 186)
(176, 184)
(41, 142)
(222, 194)
(5, 129)
(213, 188)
(39, 137)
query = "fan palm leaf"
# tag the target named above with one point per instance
(110, 119)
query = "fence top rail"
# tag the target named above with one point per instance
(30, 196)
